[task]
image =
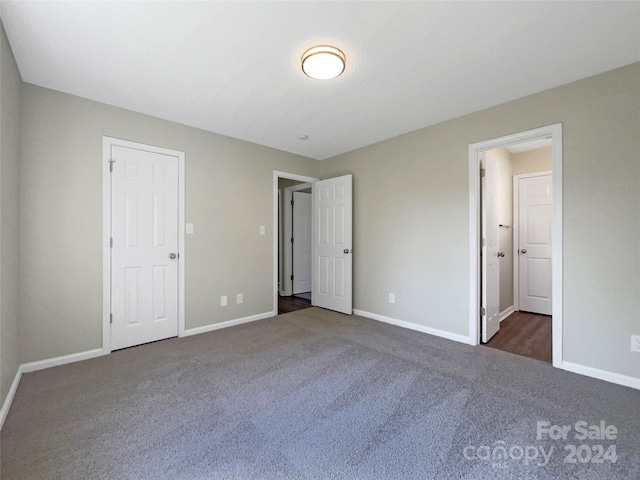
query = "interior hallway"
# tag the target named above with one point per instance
(526, 334)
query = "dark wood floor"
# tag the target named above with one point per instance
(292, 304)
(526, 334)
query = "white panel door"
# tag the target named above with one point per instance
(144, 227)
(534, 244)
(332, 244)
(301, 242)
(490, 259)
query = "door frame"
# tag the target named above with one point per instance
(276, 227)
(286, 287)
(516, 232)
(554, 132)
(107, 144)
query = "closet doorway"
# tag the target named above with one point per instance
(519, 238)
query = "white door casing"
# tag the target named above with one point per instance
(301, 242)
(332, 244)
(145, 215)
(490, 246)
(277, 175)
(554, 132)
(534, 243)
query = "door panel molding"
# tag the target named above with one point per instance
(107, 144)
(555, 133)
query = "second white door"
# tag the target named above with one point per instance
(534, 244)
(301, 242)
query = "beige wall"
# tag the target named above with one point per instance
(10, 91)
(505, 217)
(229, 194)
(411, 215)
(538, 160)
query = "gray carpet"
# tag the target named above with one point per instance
(317, 395)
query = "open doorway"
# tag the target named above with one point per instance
(331, 240)
(518, 178)
(516, 243)
(294, 245)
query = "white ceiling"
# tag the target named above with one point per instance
(233, 67)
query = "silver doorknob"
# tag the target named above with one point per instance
(501, 254)
(172, 256)
(524, 250)
(346, 250)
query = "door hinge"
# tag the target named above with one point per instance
(111, 162)
(483, 172)
(292, 203)
(111, 242)
(483, 311)
(484, 242)
(111, 318)
(291, 277)
(291, 239)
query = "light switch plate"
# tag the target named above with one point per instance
(189, 228)
(223, 301)
(262, 230)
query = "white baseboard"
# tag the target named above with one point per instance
(40, 365)
(228, 323)
(623, 380)
(9, 400)
(54, 362)
(505, 313)
(414, 326)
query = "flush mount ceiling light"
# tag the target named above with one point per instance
(323, 62)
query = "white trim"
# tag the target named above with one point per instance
(182, 252)
(291, 176)
(414, 326)
(505, 313)
(516, 231)
(557, 246)
(40, 365)
(228, 323)
(617, 378)
(106, 245)
(57, 361)
(10, 396)
(107, 143)
(555, 133)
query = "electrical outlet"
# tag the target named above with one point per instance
(239, 298)
(392, 298)
(635, 343)
(223, 301)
